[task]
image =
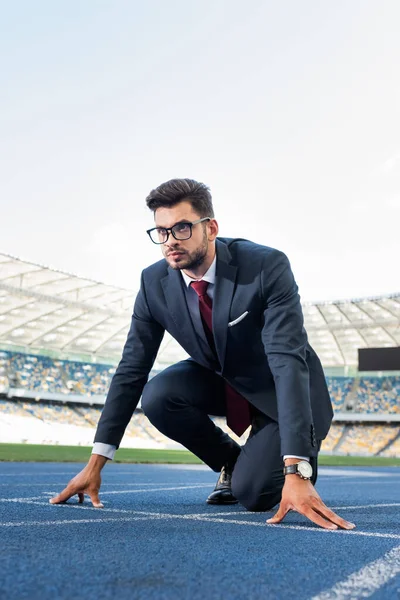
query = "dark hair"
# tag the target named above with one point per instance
(174, 191)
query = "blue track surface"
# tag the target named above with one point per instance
(156, 538)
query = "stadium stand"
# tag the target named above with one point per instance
(335, 433)
(41, 373)
(91, 414)
(340, 389)
(366, 439)
(62, 335)
(378, 394)
(54, 423)
(394, 448)
(78, 391)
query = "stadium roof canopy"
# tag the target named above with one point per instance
(44, 310)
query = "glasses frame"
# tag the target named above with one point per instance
(169, 230)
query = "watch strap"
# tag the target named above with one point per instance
(294, 470)
(290, 470)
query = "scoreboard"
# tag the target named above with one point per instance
(379, 359)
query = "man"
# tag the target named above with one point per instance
(233, 306)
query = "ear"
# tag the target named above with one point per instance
(212, 230)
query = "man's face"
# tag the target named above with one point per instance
(183, 254)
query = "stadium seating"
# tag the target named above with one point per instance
(56, 423)
(334, 435)
(339, 390)
(44, 374)
(393, 449)
(370, 395)
(366, 439)
(41, 373)
(378, 394)
(8, 407)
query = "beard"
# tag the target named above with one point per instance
(189, 260)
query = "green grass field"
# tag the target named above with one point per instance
(39, 453)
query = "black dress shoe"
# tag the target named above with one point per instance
(222, 493)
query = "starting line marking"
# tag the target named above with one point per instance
(57, 483)
(163, 489)
(143, 515)
(366, 581)
(245, 512)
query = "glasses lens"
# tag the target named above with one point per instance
(182, 231)
(159, 235)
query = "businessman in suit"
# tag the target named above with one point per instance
(233, 305)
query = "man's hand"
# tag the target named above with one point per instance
(88, 481)
(300, 495)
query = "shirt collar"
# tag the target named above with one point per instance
(208, 275)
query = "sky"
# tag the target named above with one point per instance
(289, 111)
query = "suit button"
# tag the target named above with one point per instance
(313, 439)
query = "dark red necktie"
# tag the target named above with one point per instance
(237, 408)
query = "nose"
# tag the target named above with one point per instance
(170, 243)
(167, 244)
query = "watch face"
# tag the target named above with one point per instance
(305, 469)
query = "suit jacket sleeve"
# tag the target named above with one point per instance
(285, 341)
(139, 353)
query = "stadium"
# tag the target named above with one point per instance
(287, 114)
(61, 337)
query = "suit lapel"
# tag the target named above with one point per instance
(225, 279)
(175, 298)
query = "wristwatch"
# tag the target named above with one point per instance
(303, 469)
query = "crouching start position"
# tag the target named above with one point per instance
(233, 305)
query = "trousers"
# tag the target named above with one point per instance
(179, 401)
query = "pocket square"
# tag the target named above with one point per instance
(236, 321)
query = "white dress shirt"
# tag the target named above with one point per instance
(192, 299)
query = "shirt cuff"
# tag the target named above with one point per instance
(106, 450)
(300, 457)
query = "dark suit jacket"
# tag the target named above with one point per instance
(265, 356)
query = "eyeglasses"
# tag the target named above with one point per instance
(180, 231)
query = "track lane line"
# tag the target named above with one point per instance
(366, 581)
(104, 493)
(365, 506)
(71, 522)
(198, 517)
(102, 484)
(355, 507)
(165, 489)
